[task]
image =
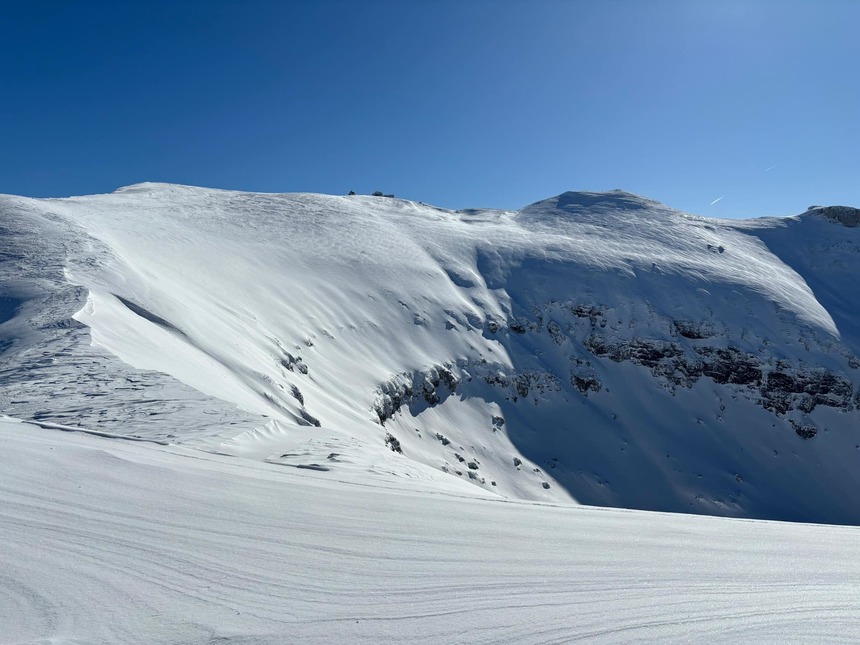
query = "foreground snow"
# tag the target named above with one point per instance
(109, 541)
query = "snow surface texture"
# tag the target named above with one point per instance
(596, 348)
(118, 542)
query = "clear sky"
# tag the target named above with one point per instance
(460, 103)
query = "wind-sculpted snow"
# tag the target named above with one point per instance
(593, 347)
(50, 370)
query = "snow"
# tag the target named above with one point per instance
(106, 541)
(259, 417)
(238, 323)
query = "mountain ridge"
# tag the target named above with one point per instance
(561, 353)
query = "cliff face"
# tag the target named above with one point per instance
(596, 347)
(845, 215)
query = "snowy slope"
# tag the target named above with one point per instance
(597, 348)
(118, 542)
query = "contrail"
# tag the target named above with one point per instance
(717, 199)
(771, 168)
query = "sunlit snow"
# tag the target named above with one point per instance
(365, 419)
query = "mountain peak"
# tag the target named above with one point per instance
(572, 205)
(614, 200)
(845, 215)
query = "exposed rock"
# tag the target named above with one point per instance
(431, 387)
(845, 215)
(585, 384)
(641, 352)
(692, 330)
(293, 363)
(517, 327)
(392, 442)
(307, 416)
(555, 332)
(775, 385)
(804, 431)
(803, 390)
(297, 394)
(729, 365)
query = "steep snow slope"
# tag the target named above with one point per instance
(50, 370)
(601, 348)
(115, 542)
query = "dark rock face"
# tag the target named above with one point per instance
(845, 215)
(648, 353)
(775, 385)
(517, 327)
(690, 351)
(588, 335)
(392, 442)
(309, 418)
(804, 431)
(692, 329)
(787, 389)
(586, 385)
(541, 382)
(429, 388)
(729, 366)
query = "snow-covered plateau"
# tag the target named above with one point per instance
(266, 418)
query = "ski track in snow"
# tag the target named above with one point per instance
(107, 542)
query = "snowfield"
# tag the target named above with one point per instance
(236, 417)
(116, 542)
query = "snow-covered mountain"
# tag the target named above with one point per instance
(593, 347)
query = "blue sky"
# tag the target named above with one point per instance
(460, 104)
